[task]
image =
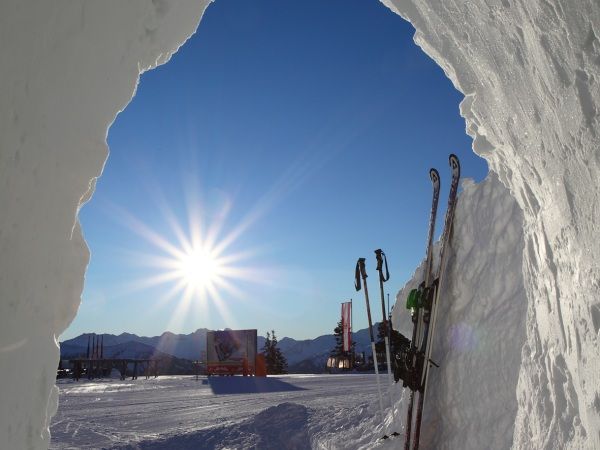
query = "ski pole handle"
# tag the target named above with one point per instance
(359, 272)
(381, 258)
(363, 270)
(382, 278)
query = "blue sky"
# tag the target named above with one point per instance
(303, 132)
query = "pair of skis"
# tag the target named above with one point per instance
(361, 273)
(416, 361)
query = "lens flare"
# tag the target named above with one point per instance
(196, 263)
(195, 258)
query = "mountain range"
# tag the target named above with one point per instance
(303, 356)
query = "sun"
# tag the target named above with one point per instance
(194, 264)
(200, 269)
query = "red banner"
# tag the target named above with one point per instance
(347, 325)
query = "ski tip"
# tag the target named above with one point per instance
(434, 175)
(454, 165)
(453, 160)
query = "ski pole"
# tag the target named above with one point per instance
(381, 260)
(362, 272)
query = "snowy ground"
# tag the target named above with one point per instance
(287, 412)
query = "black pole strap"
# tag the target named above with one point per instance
(381, 261)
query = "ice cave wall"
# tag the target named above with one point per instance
(68, 67)
(530, 72)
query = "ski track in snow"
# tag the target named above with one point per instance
(300, 412)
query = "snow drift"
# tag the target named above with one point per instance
(529, 71)
(471, 400)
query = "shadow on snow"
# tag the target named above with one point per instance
(248, 385)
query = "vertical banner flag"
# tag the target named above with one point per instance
(346, 325)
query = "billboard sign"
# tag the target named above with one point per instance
(231, 352)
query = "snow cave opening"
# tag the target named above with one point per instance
(122, 140)
(185, 124)
(529, 74)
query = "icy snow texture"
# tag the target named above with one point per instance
(529, 70)
(67, 68)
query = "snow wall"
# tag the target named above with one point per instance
(68, 68)
(529, 70)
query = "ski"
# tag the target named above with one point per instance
(407, 361)
(432, 296)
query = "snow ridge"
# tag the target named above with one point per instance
(276, 428)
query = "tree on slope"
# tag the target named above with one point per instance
(274, 359)
(338, 350)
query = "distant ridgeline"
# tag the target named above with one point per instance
(179, 350)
